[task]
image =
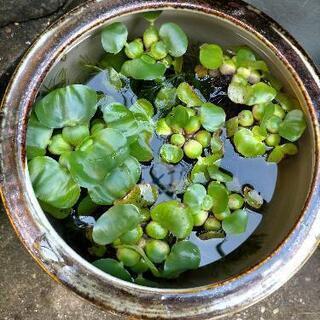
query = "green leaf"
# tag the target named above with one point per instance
(86, 206)
(174, 38)
(247, 144)
(114, 222)
(173, 216)
(114, 61)
(286, 101)
(237, 92)
(199, 173)
(293, 125)
(113, 268)
(184, 256)
(55, 212)
(113, 77)
(114, 37)
(256, 65)
(170, 153)
(178, 117)
(219, 195)
(140, 148)
(38, 137)
(97, 156)
(260, 93)
(232, 126)
(187, 95)
(117, 116)
(117, 183)
(194, 196)
(211, 56)
(212, 117)
(142, 195)
(75, 135)
(58, 145)
(151, 16)
(243, 56)
(166, 98)
(236, 223)
(218, 175)
(52, 183)
(252, 198)
(216, 143)
(142, 109)
(140, 69)
(276, 155)
(67, 107)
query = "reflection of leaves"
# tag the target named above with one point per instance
(248, 248)
(58, 81)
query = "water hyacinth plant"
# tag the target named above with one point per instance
(93, 152)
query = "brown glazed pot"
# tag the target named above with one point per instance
(290, 229)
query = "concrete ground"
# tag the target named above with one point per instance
(26, 292)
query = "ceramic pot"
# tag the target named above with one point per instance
(290, 229)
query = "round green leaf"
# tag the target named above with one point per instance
(212, 117)
(173, 216)
(151, 16)
(243, 56)
(117, 183)
(293, 125)
(114, 37)
(178, 117)
(232, 126)
(58, 145)
(170, 153)
(55, 212)
(187, 95)
(142, 195)
(141, 149)
(276, 155)
(114, 61)
(218, 175)
(247, 144)
(252, 198)
(142, 109)
(113, 268)
(260, 93)
(114, 222)
(38, 137)
(235, 223)
(166, 98)
(211, 56)
(117, 116)
(174, 38)
(184, 256)
(140, 69)
(86, 206)
(75, 135)
(287, 102)
(52, 183)
(237, 92)
(219, 195)
(194, 196)
(67, 107)
(97, 156)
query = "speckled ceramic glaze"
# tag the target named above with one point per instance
(291, 226)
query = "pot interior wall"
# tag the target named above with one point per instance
(294, 174)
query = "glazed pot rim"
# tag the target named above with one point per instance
(297, 57)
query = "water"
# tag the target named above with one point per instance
(171, 179)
